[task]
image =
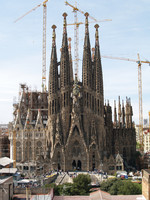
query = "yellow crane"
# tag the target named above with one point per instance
(44, 40)
(76, 33)
(139, 62)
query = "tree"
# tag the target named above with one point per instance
(106, 185)
(123, 187)
(81, 185)
(129, 188)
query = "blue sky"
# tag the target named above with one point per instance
(126, 35)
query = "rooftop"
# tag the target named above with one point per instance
(5, 161)
(8, 170)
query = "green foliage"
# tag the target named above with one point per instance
(106, 185)
(129, 188)
(113, 190)
(80, 186)
(138, 145)
(122, 187)
(64, 189)
(51, 185)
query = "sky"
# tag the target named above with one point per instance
(126, 35)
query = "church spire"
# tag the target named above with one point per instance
(64, 63)
(123, 114)
(119, 112)
(98, 66)
(53, 73)
(115, 115)
(87, 68)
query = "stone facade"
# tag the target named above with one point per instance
(70, 125)
(146, 184)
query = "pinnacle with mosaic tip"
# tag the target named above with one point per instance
(86, 14)
(54, 27)
(96, 26)
(64, 15)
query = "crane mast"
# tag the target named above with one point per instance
(44, 48)
(140, 102)
(43, 42)
(76, 42)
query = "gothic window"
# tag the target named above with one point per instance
(26, 153)
(18, 144)
(87, 100)
(37, 151)
(18, 134)
(41, 134)
(26, 134)
(30, 153)
(50, 88)
(58, 82)
(93, 146)
(75, 130)
(64, 99)
(74, 165)
(53, 87)
(58, 104)
(92, 103)
(58, 157)
(95, 105)
(39, 144)
(67, 99)
(101, 107)
(30, 135)
(93, 161)
(37, 134)
(53, 107)
(18, 154)
(50, 108)
(98, 106)
(76, 149)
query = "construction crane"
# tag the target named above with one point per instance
(139, 62)
(76, 33)
(44, 40)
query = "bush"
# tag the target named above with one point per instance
(122, 187)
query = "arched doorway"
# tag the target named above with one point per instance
(58, 160)
(59, 167)
(74, 165)
(79, 165)
(93, 161)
